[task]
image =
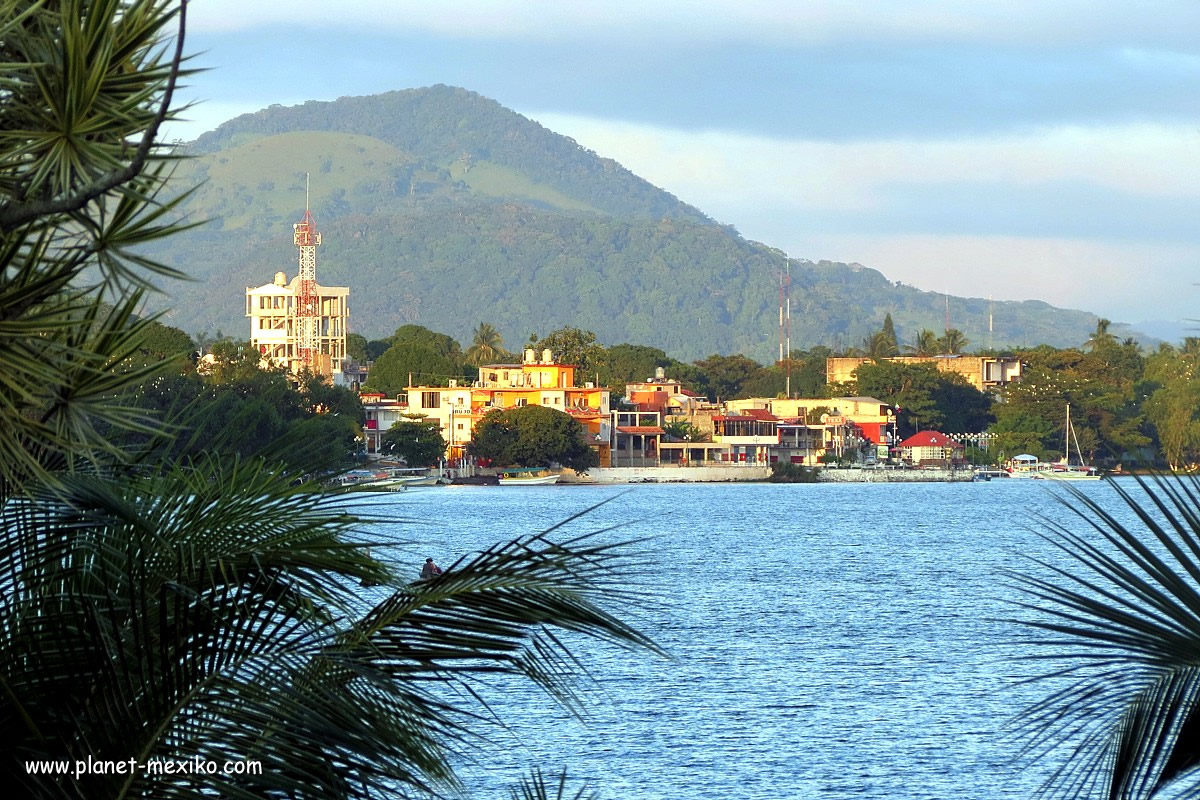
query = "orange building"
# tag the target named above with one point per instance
(533, 382)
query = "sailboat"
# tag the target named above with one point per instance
(1066, 471)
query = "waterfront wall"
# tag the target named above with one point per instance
(894, 475)
(705, 474)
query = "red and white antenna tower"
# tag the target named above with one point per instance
(306, 238)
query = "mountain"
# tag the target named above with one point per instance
(441, 207)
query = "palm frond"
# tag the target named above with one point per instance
(1124, 614)
(535, 787)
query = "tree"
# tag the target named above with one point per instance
(531, 436)
(418, 441)
(725, 376)
(575, 346)
(925, 343)
(1123, 615)
(356, 347)
(909, 386)
(166, 605)
(952, 342)
(1173, 406)
(889, 335)
(487, 346)
(1101, 338)
(422, 337)
(681, 430)
(880, 345)
(392, 371)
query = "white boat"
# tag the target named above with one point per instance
(1064, 470)
(528, 478)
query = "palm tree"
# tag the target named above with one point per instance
(487, 347)
(879, 345)
(1126, 621)
(1101, 337)
(924, 343)
(952, 342)
(167, 602)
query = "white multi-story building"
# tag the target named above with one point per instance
(273, 327)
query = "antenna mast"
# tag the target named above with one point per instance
(307, 239)
(785, 321)
(990, 346)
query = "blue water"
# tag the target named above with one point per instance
(826, 641)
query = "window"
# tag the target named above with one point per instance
(431, 399)
(521, 401)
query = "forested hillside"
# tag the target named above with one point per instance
(441, 207)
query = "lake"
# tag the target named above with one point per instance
(827, 640)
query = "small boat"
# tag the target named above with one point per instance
(989, 473)
(528, 477)
(1066, 471)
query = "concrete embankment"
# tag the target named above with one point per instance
(669, 475)
(724, 474)
(894, 475)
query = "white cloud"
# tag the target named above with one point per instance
(793, 22)
(1125, 281)
(724, 173)
(205, 115)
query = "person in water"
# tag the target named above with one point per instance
(430, 570)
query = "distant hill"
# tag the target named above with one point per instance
(441, 207)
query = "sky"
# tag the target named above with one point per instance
(1015, 149)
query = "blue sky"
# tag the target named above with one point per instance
(1002, 148)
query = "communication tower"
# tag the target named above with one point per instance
(308, 316)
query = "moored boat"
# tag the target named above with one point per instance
(528, 477)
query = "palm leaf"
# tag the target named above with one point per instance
(1124, 619)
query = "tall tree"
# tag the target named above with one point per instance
(925, 343)
(392, 371)
(1174, 404)
(889, 334)
(487, 346)
(952, 342)
(879, 345)
(575, 346)
(725, 376)
(420, 336)
(1101, 338)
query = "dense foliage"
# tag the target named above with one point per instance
(531, 436)
(419, 442)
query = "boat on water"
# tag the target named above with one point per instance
(531, 476)
(391, 479)
(989, 473)
(1024, 466)
(1066, 470)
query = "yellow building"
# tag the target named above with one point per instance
(457, 408)
(982, 372)
(273, 325)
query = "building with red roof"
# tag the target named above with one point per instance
(932, 449)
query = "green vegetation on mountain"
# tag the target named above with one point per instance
(441, 207)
